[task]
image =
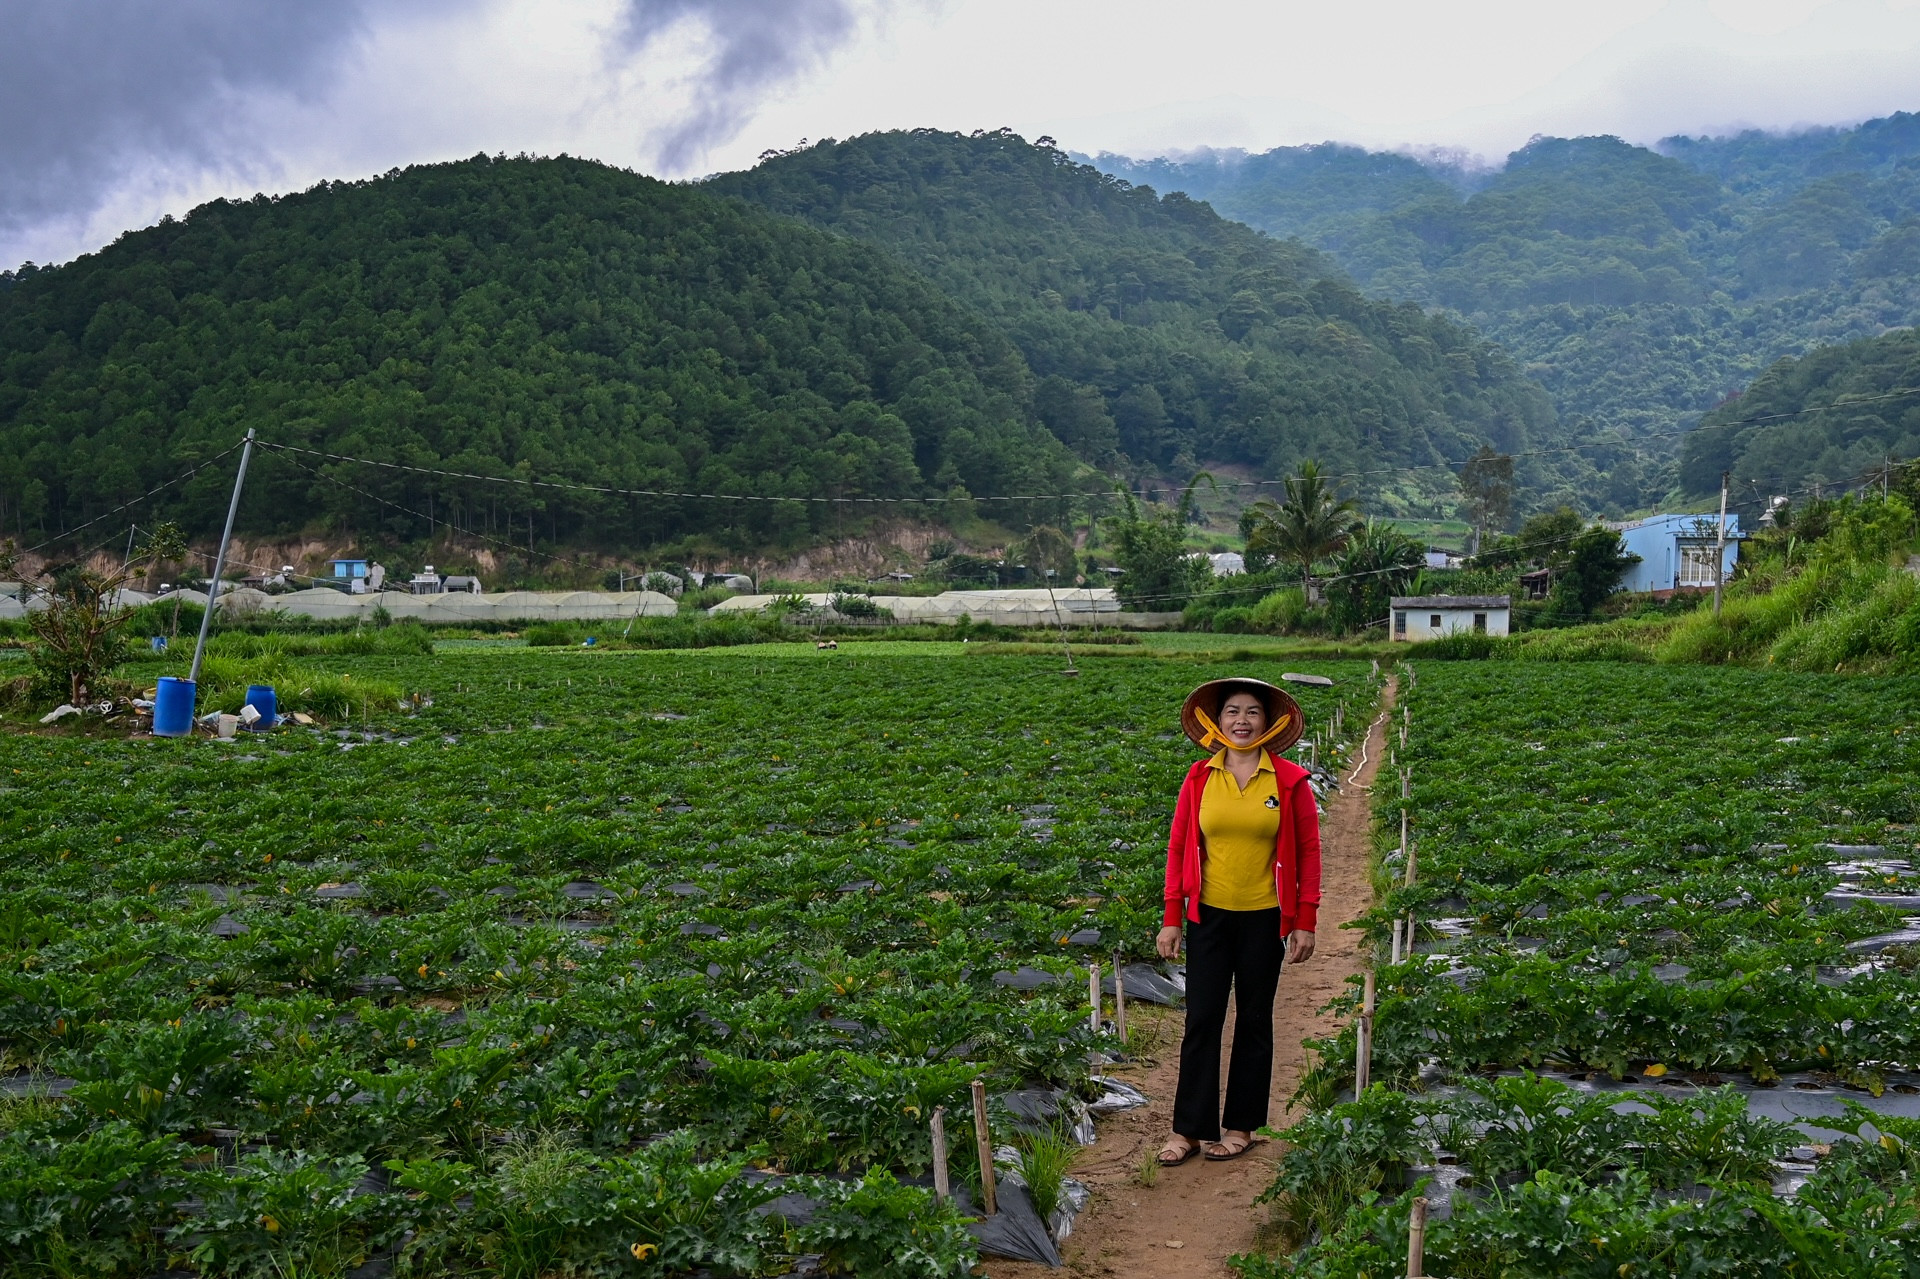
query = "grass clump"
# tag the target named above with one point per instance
(1044, 1158)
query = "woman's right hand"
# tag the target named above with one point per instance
(1168, 942)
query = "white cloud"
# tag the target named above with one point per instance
(685, 87)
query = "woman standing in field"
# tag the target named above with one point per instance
(1243, 873)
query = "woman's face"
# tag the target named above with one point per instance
(1242, 718)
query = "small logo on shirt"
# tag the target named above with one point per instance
(1273, 801)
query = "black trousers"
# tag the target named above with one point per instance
(1241, 951)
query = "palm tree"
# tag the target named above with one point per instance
(1311, 524)
(1379, 562)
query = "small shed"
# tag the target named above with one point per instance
(1424, 617)
(348, 575)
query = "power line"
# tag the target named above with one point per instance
(124, 506)
(511, 546)
(609, 490)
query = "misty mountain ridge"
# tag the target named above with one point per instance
(905, 315)
(1641, 286)
(1185, 337)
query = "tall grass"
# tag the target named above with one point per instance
(224, 680)
(1044, 1158)
(1833, 615)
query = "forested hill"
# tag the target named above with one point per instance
(1822, 420)
(1641, 286)
(546, 318)
(1160, 329)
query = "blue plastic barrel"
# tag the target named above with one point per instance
(262, 699)
(173, 707)
(158, 643)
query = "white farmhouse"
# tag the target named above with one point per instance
(1424, 617)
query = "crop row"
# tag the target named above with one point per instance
(1673, 893)
(597, 919)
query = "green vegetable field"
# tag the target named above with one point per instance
(525, 980)
(1663, 1011)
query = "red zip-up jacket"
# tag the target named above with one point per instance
(1296, 863)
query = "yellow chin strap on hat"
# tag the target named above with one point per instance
(1210, 733)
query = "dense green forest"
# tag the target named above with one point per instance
(546, 318)
(1817, 422)
(902, 315)
(1640, 286)
(1161, 330)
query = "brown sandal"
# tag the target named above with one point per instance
(1192, 1149)
(1226, 1152)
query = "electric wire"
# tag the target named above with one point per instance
(124, 506)
(1142, 492)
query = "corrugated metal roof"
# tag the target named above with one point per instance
(1452, 601)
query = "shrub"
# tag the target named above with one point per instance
(848, 604)
(1285, 612)
(553, 635)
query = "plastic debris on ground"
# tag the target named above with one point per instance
(1909, 935)
(1041, 1110)
(1800, 1097)
(1116, 1096)
(1015, 1232)
(1026, 978)
(1150, 984)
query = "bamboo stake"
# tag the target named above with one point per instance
(1119, 1001)
(1398, 924)
(1406, 783)
(1093, 996)
(1403, 833)
(1413, 853)
(1417, 1239)
(989, 1204)
(1363, 1041)
(942, 1189)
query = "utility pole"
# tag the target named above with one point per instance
(1720, 549)
(220, 561)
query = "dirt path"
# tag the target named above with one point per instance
(1194, 1217)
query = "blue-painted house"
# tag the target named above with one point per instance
(1677, 551)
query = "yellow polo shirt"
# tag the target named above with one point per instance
(1240, 829)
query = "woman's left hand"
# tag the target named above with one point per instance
(1299, 946)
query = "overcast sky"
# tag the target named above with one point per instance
(115, 112)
